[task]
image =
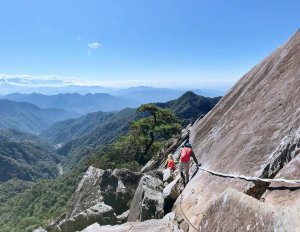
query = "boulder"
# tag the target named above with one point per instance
(99, 213)
(173, 189)
(167, 224)
(148, 201)
(167, 175)
(171, 192)
(129, 179)
(252, 131)
(122, 218)
(282, 194)
(235, 211)
(113, 187)
(87, 193)
(92, 228)
(40, 229)
(114, 192)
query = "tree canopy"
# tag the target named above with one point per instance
(143, 140)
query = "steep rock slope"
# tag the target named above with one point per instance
(252, 131)
(167, 224)
(30, 118)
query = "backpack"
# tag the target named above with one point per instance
(185, 155)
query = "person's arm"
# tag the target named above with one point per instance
(195, 159)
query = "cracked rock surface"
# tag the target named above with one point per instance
(252, 131)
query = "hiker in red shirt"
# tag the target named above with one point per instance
(170, 163)
(184, 164)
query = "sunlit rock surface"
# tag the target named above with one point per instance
(252, 131)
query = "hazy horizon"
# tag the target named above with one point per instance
(120, 44)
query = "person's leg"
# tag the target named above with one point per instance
(181, 168)
(183, 178)
(186, 170)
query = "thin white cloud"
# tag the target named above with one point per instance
(188, 82)
(94, 45)
(79, 38)
(25, 80)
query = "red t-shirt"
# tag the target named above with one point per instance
(185, 155)
(171, 164)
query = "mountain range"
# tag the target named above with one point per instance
(149, 94)
(53, 85)
(81, 104)
(30, 118)
(190, 106)
(75, 136)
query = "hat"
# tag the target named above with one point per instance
(188, 145)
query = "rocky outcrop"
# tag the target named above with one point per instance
(235, 211)
(122, 218)
(171, 192)
(99, 193)
(167, 224)
(252, 131)
(282, 194)
(99, 213)
(113, 187)
(40, 229)
(87, 193)
(118, 188)
(148, 201)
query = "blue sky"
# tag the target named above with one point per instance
(165, 43)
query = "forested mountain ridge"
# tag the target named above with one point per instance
(30, 118)
(65, 131)
(104, 129)
(26, 157)
(190, 106)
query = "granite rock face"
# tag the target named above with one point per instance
(236, 211)
(98, 188)
(282, 194)
(87, 193)
(113, 187)
(252, 131)
(148, 200)
(40, 229)
(99, 213)
(167, 224)
(122, 218)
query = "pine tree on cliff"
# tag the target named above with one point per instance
(144, 139)
(159, 124)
